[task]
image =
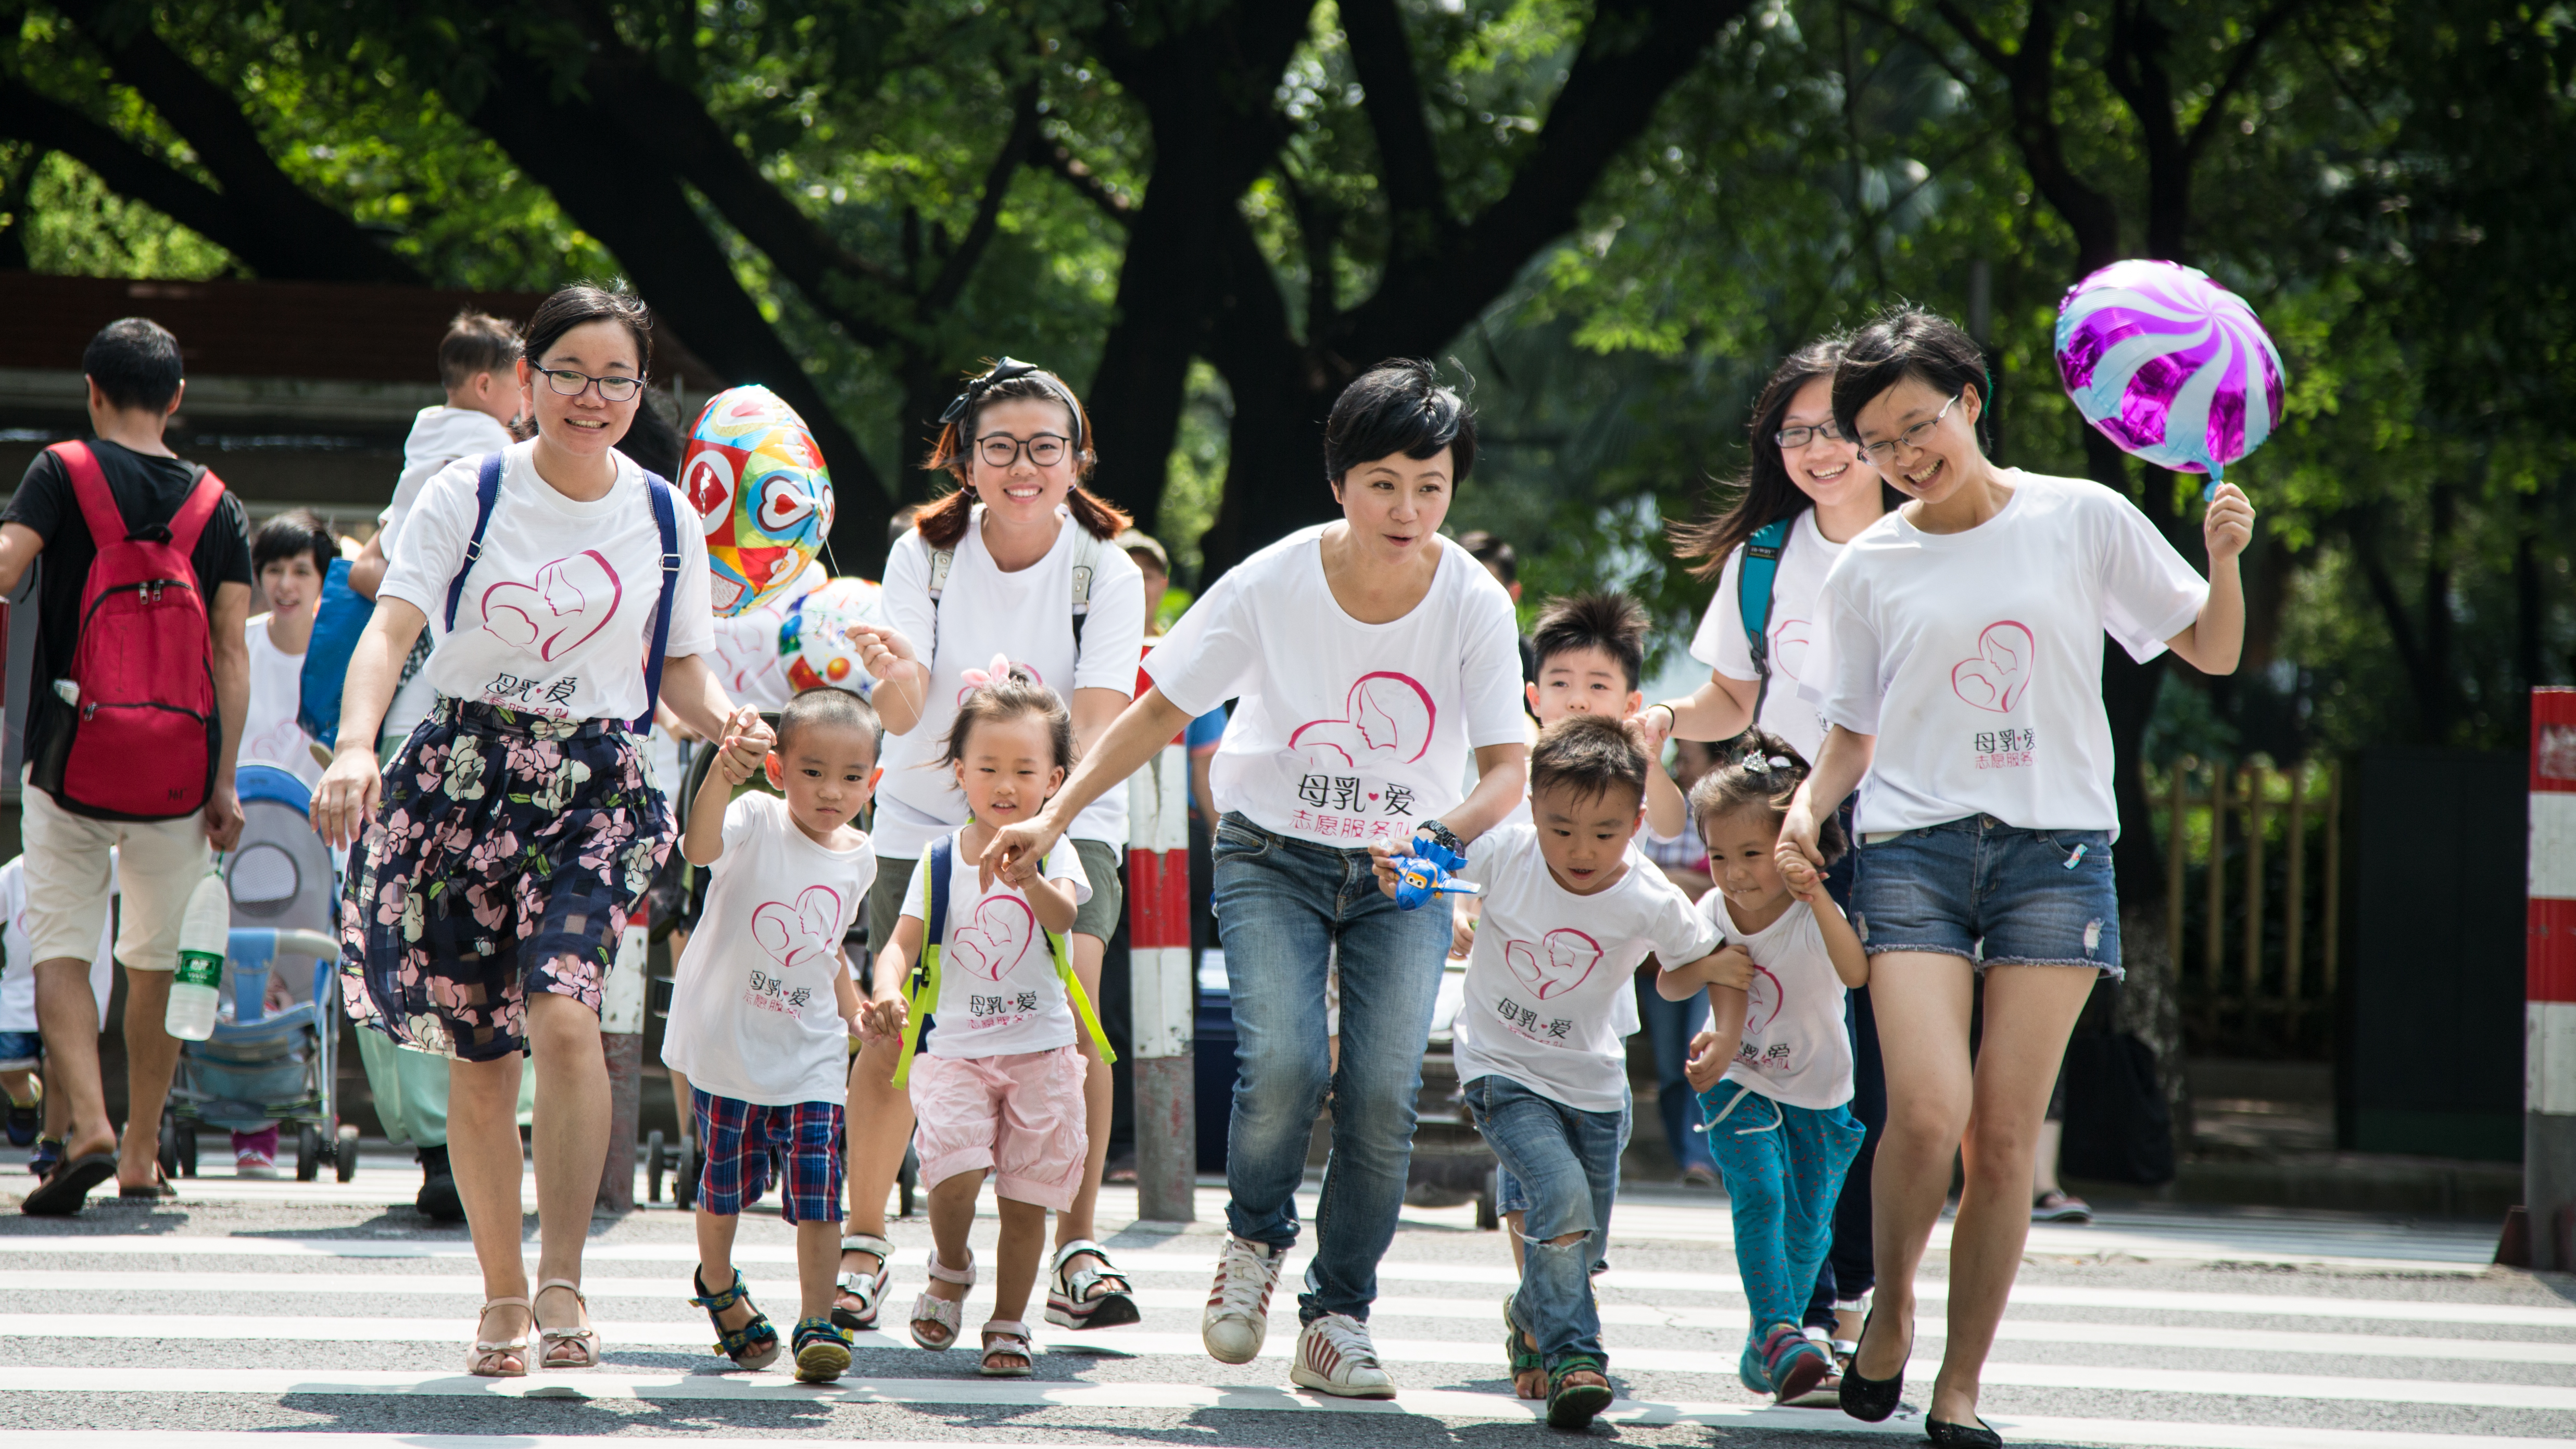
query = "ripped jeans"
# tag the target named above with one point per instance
(1784, 1168)
(1566, 1162)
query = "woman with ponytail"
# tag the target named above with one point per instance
(1015, 569)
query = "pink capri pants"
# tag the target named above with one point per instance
(1020, 1114)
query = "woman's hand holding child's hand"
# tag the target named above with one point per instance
(1798, 873)
(747, 741)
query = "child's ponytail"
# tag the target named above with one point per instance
(1762, 770)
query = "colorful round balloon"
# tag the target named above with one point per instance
(761, 489)
(814, 639)
(2169, 365)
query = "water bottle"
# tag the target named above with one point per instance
(205, 933)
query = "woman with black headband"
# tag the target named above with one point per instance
(1013, 571)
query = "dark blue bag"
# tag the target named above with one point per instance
(336, 628)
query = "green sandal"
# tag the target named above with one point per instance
(752, 1346)
(1573, 1406)
(822, 1350)
(1517, 1349)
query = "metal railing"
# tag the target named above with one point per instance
(2253, 877)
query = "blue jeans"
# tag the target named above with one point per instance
(1281, 906)
(1784, 1169)
(1567, 1163)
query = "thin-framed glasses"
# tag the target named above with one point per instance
(573, 384)
(1795, 438)
(1001, 450)
(1911, 440)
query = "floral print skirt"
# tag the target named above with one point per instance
(508, 854)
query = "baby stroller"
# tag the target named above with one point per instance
(263, 1066)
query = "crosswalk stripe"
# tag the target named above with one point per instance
(2015, 1328)
(2054, 1428)
(676, 1333)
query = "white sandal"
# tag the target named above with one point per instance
(948, 1315)
(1089, 1297)
(1007, 1336)
(583, 1341)
(868, 1288)
(482, 1356)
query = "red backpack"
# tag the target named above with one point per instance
(145, 733)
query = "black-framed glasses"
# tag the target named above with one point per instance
(1799, 437)
(1001, 450)
(573, 384)
(1911, 440)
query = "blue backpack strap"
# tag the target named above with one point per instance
(922, 991)
(667, 522)
(1761, 564)
(487, 492)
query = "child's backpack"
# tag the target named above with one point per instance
(921, 993)
(1753, 599)
(337, 623)
(145, 733)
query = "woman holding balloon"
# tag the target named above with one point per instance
(1970, 627)
(1014, 570)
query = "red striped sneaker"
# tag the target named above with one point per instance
(1237, 1317)
(1334, 1356)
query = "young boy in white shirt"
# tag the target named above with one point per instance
(1569, 912)
(288, 555)
(762, 1005)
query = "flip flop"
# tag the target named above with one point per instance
(66, 1190)
(159, 1188)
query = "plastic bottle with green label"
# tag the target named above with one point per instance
(205, 934)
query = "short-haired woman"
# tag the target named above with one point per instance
(1969, 627)
(506, 844)
(1369, 656)
(996, 569)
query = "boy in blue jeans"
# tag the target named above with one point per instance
(1569, 912)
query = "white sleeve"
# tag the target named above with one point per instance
(693, 618)
(912, 888)
(2149, 593)
(1852, 692)
(1065, 863)
(1489, 665)
(1681, 933)
(905, 599)
(1113, 635)
(1213, 652)
(1719, 644)
(430, 549)
(743, 816)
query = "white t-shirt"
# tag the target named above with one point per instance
(1976, 657)
(558, 613)
(270, 735)
(18, 951)
(981, 612)
(998, 991)
(1794, 1048)
(1550, 986)
(754, 1015)
(1344, 732)
(1797, 619)
(439, 436)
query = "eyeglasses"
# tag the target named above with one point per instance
(1798, 437)
(1001, 450)
(1911, 440)
(573, 384)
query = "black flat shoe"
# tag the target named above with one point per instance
(1962, 1436)
(1871, 1400)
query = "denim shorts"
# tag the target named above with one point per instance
(19, 1050)
(1994, 893)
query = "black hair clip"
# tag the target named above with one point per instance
(1003, 371)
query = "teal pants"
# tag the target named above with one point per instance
(1784, 1168)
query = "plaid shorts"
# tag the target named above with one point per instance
(741, 1140)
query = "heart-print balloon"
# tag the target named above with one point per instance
(572, 599)
(993, 943)
(762, 492)
(1554, 964)
(2000, 674)
(800, 934)
(1386, 720)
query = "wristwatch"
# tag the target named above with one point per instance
(1441, 835)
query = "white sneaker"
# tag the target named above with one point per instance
(1334, 1356)
(1237, 1318)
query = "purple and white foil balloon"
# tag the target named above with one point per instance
(2169, 365)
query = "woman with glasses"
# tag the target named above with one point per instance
(1965, 683)
(505, 846)
(1806, 492)
(1014, 569)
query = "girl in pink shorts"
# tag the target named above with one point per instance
(990, 1008)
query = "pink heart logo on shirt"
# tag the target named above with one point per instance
(2000, 674)
(1555, 964)
(572, 599)
(992, 946)
(1763, 1000)
(1386, 721)
(797, 935)
(1789, 639)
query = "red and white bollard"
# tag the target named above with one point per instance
(2549, 1021)
(1162, 986)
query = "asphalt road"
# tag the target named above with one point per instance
(257, 1307)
